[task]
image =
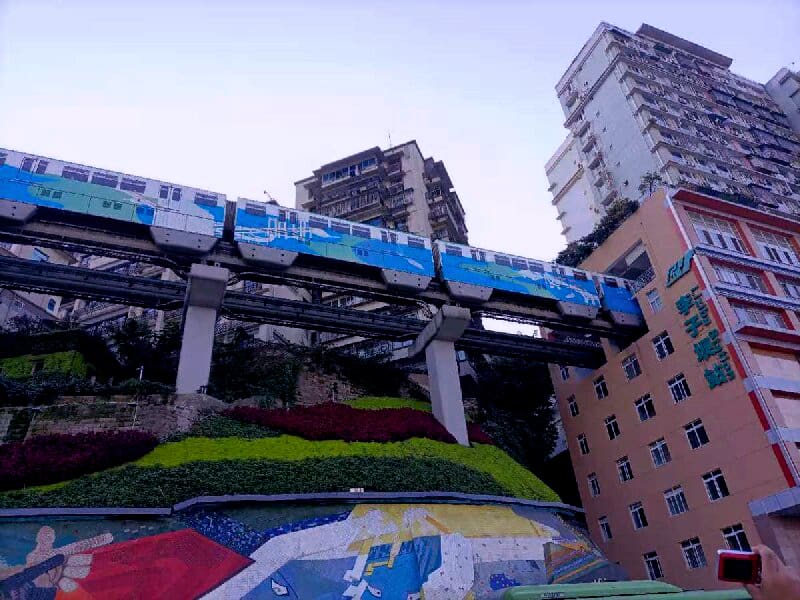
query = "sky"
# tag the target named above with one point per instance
(242, 97)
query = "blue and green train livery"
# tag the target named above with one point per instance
(28, 180)
(274, 235)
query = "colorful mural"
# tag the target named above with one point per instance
(364, 551)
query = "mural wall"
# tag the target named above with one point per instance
(364, 551)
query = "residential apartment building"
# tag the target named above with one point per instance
(652, 102)
(686, 440)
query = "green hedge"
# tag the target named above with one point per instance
(217, 426)
(69, 362)
(161, 486)
(378, 402)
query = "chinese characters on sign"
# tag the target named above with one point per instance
(707, 349)
(680, 268)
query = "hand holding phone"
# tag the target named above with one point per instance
(773, 579)
(738, 566)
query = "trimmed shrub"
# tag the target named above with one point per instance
(378, 402)
(477, 435)
(50, 458)
(217, 426)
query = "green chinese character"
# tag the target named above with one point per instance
(684, 304)
(693, 325)
(708, 346)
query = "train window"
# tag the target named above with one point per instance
(519, 263)
(611, 282)
(57, 194)
(132, 185)
(255, 208)
(413, 242)
(293, 218)
(105, 179)
(317, 222)
(41, 167)
(163, 192)
(502, 260)
(361, 231)
(340, 227)
(478, 255)
(203, 199)
(580, 275)
(3, 156)
(75, 174)
(27, 164)
(535, 267)
(390, 236)
(282, 216)
(44, 192)
(176, 194)
(453, 251)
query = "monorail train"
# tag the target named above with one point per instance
(268, 234)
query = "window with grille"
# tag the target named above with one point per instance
(676, 500)
(594, 485)
(645, 408)
(653, 565)
(654, 300)
(679, 388)
(637, 515)
(739, 278)
(624, 469)
(612, 427)
(696, 434)
(605, 528)
(631, 367)
(600, 388)
(757, 315)
(583, 444)
(693, 553)
(663, 345)
(716, 487)
(659, 452)
(564, 373)
(791, 288)
(717, 232)
(735, 538)
(775, 247)
(573, 406)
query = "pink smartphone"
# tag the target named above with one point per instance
(738, 566)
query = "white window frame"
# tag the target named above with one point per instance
(731, 536)
(711, 481)
(676, 501)
(583, 444)
(775, 247)
(594, 485)
(564, 372)
(694, 427)
(574, 410)
(641, 404)
(679, 388)
(744, 279)
(605, 529)
(631, 361)
(662, 345)
(791, 288)
(649, 558)
(612, 427)
(601, 388)
(638, 516)
(624, 469)
(693, 553)
(717, 232)
(759, 315)
(660, 448)
(654, 300)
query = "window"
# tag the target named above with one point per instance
(717, 232)
(653, 565)
(659, 452)
(502, 260)
(645, 408)
(637, 515)
(51, 305)
(414, 242)
(600, 388)
(176, 194)
(745, 279)
(27, 164)
(163, 192)
(693, 553)
(583, 444)
(654, 300)
(757, 315)
(679, 388)
(776, 247)
(735, 538)
(696, 434)
(340, 227)
(716, 487)
(624, 469)
(573, 406)
(594, 485)
(75, 174)
(631, 367)
(453, 250)
(132, 185)
(360, 231)
(676, 501)
(791, 288)
(39, 256)
(106, 179)
(605, 528)
(564, 373)
(663, 345)
(41, 168)
(612, 427)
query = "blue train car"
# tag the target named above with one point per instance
(275, 235)
(179, 216)
(473, 274)
(617, 299)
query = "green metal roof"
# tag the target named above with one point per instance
(619, 590)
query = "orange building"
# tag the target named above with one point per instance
(686, 440)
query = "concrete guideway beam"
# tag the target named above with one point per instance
(438, 341)
(203, 299)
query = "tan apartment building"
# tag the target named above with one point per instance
(686, 440)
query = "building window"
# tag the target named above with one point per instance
(654, 300)
(757, 315)
(51, 305)
(645, 408)
(573, 406)
(693, 553)
(735, 538)
(653, 565)
(676, 501)
(776, 247)
(631, 367)
(791, 288)
(600, 388)
(612, 427)
(624, 469)
(659, 452)
(716, 488)
(696, 434)
(39, 256)
(594, 485)
(679, 388)
(637, 515)
(564, 373)
(717, 232)
(605, 529)
(663, 345)
(583, 444)
(744, 279)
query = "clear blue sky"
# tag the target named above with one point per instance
(240, 97)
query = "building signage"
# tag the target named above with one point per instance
(708, 349)
(680, 268)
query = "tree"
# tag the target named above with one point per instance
(649, 182)
(579, 250)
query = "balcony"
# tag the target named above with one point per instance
(582, 127)
(596, 160)
(589, 143)
(571, 96)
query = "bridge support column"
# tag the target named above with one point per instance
(438, 341)
(203, 298)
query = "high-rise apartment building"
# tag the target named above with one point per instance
(652, 102)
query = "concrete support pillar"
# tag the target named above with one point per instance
(203, 298)
(438, 341)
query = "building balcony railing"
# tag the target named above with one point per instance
(643, 279)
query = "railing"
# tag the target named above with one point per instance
(643, 279)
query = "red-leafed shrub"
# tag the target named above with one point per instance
(478, 435)
(334, 421)
(50, 458)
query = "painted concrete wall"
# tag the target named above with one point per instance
(361, 551)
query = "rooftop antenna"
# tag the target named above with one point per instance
(390, 137)
(271, 200)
